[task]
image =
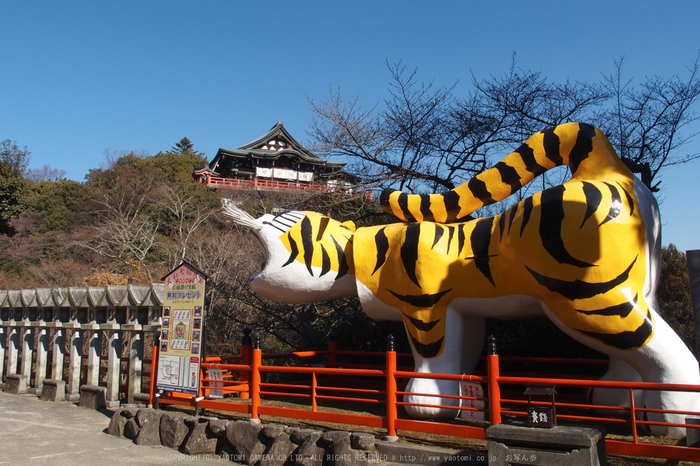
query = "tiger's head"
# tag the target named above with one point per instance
(308, 256)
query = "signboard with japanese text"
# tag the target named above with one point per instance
(180, 350)
(472, 390)
(216, 373)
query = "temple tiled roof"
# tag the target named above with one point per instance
(277, 143)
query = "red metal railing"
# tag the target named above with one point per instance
(258, 183)
(379, 389)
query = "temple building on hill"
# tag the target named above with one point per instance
(275, 160)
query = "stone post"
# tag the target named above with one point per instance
(76, 356)
(94, 352)
(42, 355)
(693, 258)
(27, 350)
(114, 351)
(12, 349)
(3, 344)
(135, 365)
(59, 353)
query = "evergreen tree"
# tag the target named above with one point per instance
(183, 147)
(674, 294)
(13, 187)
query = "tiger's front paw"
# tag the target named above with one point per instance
(427, 399)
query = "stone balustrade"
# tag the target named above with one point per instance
(61, 322)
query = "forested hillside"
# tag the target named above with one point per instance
(138, 217)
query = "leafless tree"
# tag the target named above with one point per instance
(393, 144)
(646, 124)
(187, 214)
(124, 227)
(45, 173)
(424, 138)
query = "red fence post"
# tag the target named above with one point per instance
(332, 360)
(391, 411)
(494, 389)
(255, 379)
(154, 367)
(332, 352)
(635, 439)
(314, 385)
(246, 360)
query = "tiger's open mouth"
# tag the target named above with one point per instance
(264, 262)
(262, 267)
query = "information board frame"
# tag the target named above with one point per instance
(180, 349)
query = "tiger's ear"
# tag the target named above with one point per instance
(350, 225)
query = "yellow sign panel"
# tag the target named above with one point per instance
(181, 332)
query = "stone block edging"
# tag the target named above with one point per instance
(53, 390)
(16, 384)
(251, 443)
(92, 396)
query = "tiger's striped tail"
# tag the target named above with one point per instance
(582, 147)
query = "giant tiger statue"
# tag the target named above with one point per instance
(585, 253)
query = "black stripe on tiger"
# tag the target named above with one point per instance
(527, 154)
(593, 198)
(381, 242)
(480, 190)
(307, 243)
(451, 200)
(425, 206)
(451, 234)
(513, 211)
(582, 147)
(615, 205)
(289, 216)
(427, 351)
(284, 221)
(552, 216)
(273, 225)
(384, 198)
(421, 325)
(403, 204)
(579, 289)
(527, 210)
(509, 175)
(630, 201)
(551, 144)
(420, 300)
(438, 234)
(480, 240)
(621, 310)
(501, 226)
(625, 340)
(294, 253)
(409, 251)
(343, 267)
(325, 262)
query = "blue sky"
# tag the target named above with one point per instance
(82, 78)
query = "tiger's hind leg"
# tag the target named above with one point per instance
(663, 359)
(618, 371)
(666, 359)
(463, 346)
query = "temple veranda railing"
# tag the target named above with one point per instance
(70, 333)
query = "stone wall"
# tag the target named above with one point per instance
(245, 442)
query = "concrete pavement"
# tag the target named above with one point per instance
(39, 432)
(45, 433)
